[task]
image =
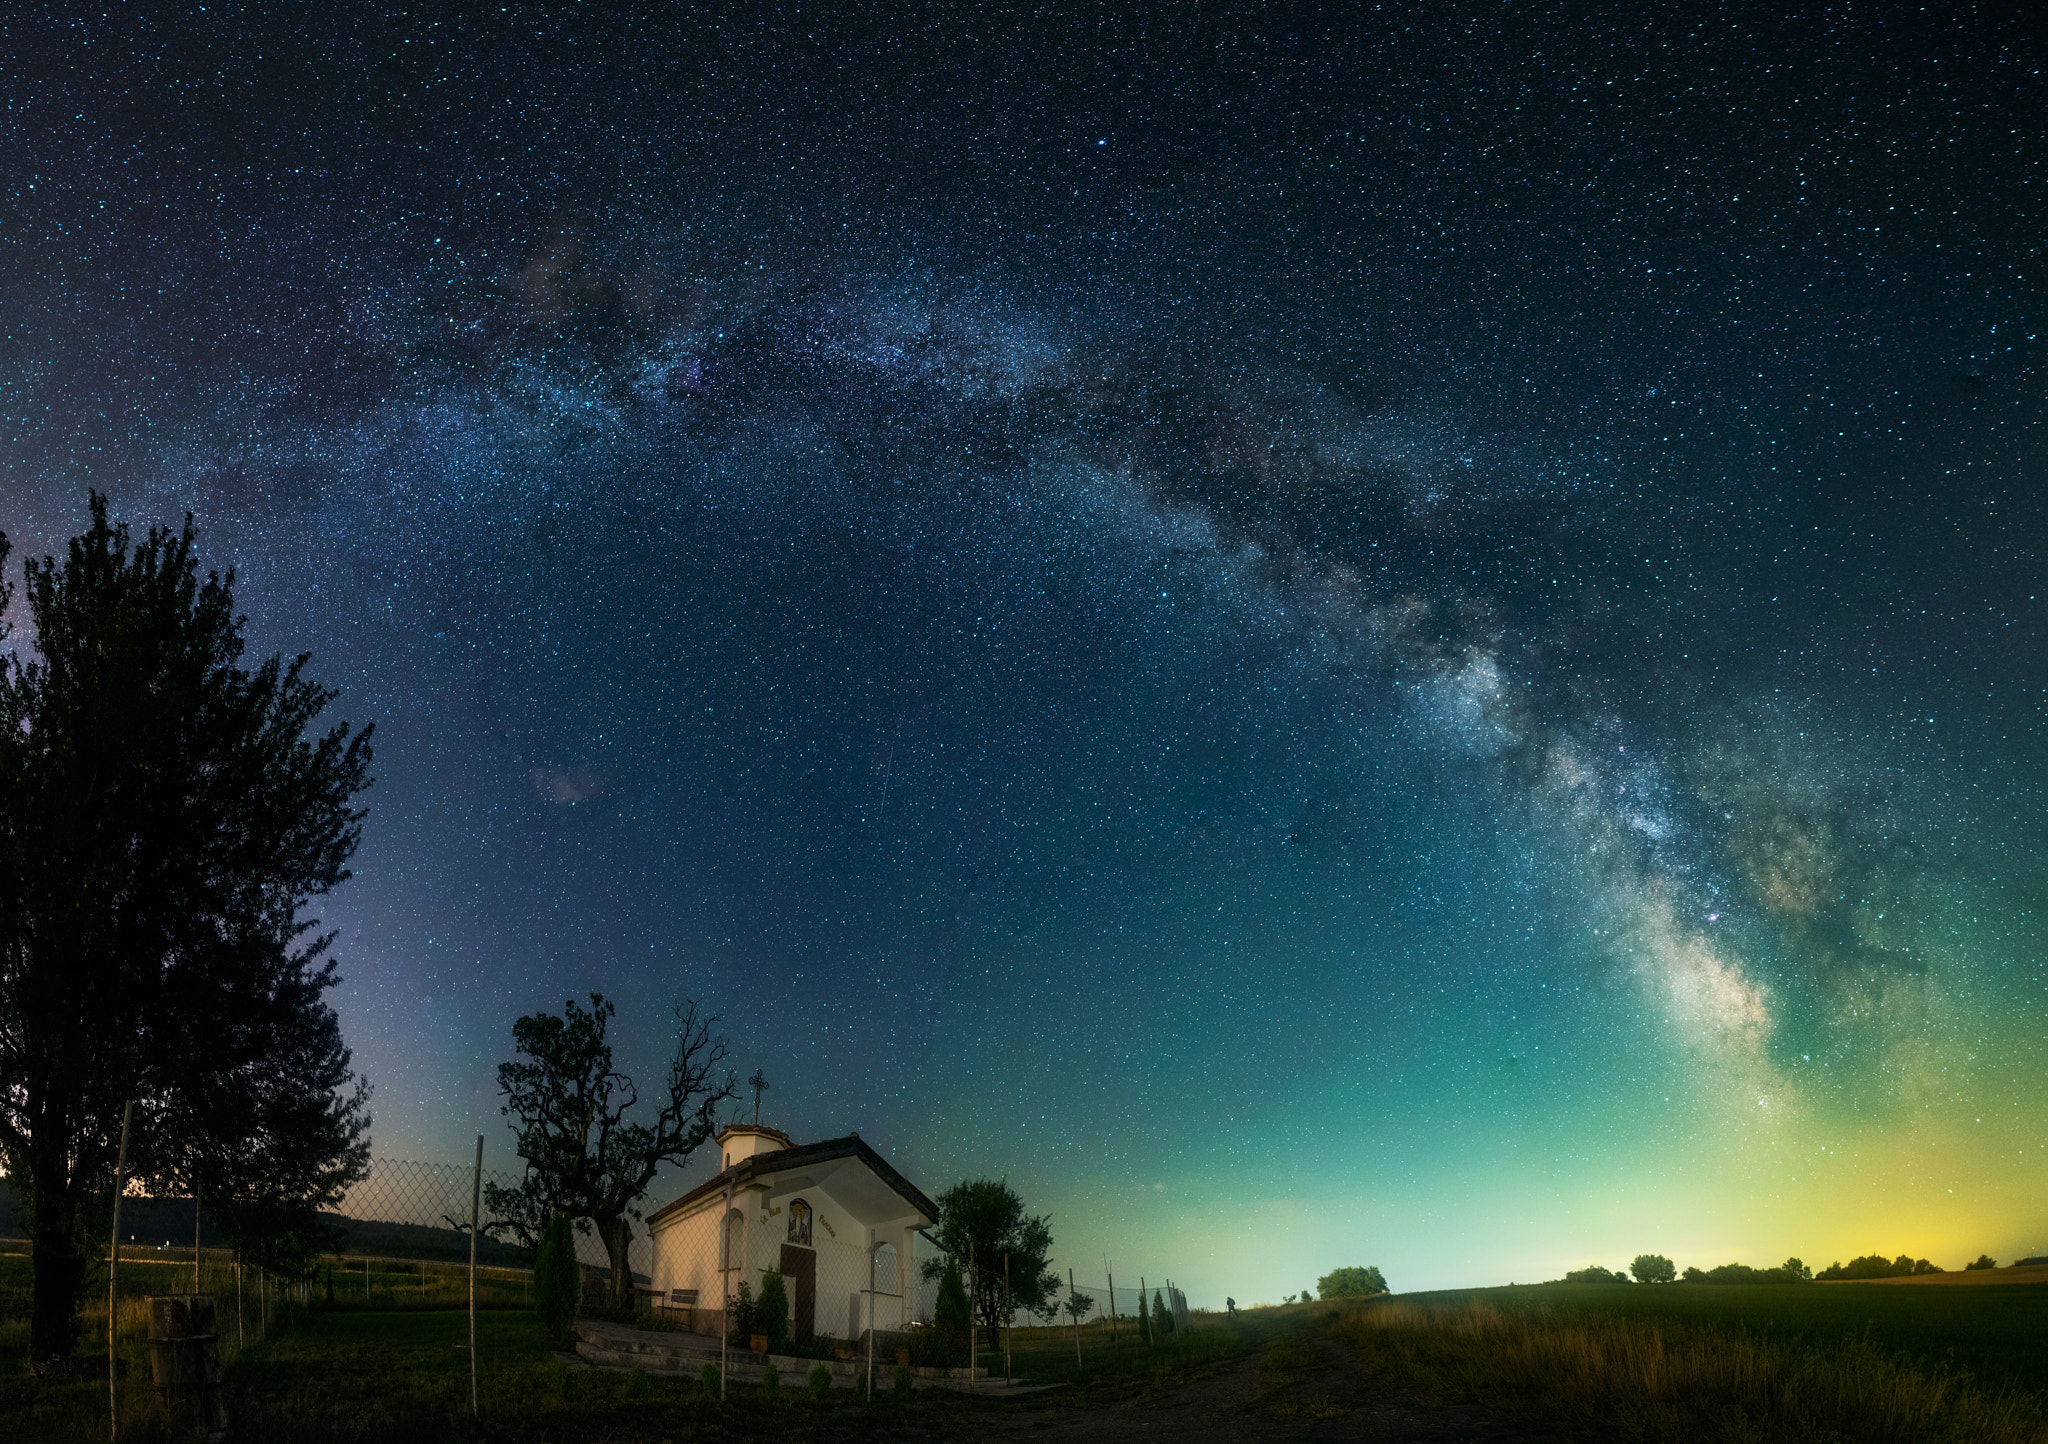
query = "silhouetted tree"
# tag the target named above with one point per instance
(1352, 1282)
(1652, 1268)
(984, 1219)
(1594, 1274)
(1162, 1319)
(1984, 1261)
(583, 1156)
(165, 816)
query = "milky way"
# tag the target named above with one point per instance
(1416, 645)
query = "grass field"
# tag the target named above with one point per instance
(1737, 1363)
(1993, 1332)
(1742, 1364)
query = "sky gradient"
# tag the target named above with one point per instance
(1409, 639)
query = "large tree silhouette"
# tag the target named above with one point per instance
(165, 816)
(584, 1157)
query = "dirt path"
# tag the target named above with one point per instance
(1297, 1389)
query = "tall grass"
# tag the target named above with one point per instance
(1633, 1379)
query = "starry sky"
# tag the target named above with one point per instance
(1402, 635)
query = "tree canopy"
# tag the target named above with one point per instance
(1653, 1268)
(584, 1157)
(1877, 1266)
(1351, 1282)
(165, 817)
(983, 1219)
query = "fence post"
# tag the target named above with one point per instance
(1009, 1318)
(1113, 1346)
(113, 1273)
(970, 1315)
(871, 1316)
(724, 1286)
(476, 1193)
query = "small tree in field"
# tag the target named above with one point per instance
(1653, 1268)
(983, 1219)
(1353, 1282)
(583, 1157)
(1162, 1318)
(1984, 1261)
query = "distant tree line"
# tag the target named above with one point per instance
(1877, 1266)
(1654, 1268)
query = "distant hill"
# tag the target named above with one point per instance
(169, 1221)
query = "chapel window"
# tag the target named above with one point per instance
(799, 1221)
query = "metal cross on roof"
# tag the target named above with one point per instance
(759, 1083)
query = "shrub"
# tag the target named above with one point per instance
(636, 1384)
(1594, 1274)
(819, 1381)
(771, 1379)
(556, 1281)
(901, 1379)
(708, 1376)
(1984, 1261)
(771, 1311)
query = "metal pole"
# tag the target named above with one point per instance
(196, 1176)
(1009, 1318)
(724, 1286)
(1112, 1304)
(113, 1273)
(1144, 1319)
(970, 1315)
(871, 1316)
(241, 1317)
(476, 1192)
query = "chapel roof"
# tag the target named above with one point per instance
(763, 1166)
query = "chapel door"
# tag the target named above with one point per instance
(800, 1274)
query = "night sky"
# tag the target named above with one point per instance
(1404, 636)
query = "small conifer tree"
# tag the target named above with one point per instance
(556, 1280)
(771, 1311)
(1162, 1318)
(950, 1312)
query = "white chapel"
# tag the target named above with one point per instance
(833, 1218)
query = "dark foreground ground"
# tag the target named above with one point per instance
(1559, 1363)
